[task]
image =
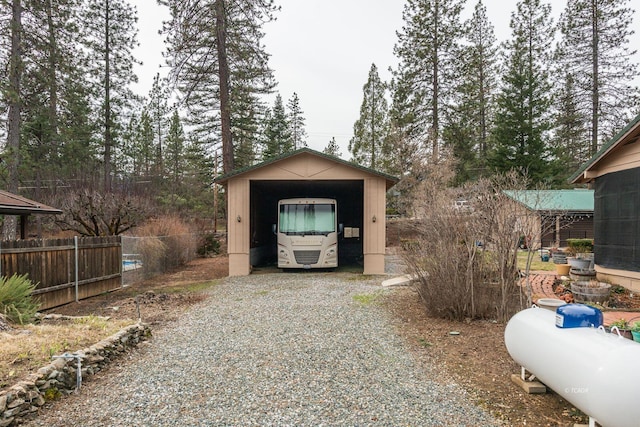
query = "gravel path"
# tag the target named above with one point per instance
(274, 350)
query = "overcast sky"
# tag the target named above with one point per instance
(323, 50)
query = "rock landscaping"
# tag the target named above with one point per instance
(60, 377)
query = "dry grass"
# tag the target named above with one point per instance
(30, 347)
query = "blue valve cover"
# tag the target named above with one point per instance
(578, 316)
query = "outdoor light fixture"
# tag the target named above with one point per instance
(374, 218)
(238, 218)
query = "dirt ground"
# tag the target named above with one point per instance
(157, 300)
(476, 359)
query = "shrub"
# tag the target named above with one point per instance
(180, 243)
(16, 301)
(153, 253)
(578, 246)
(208, 245)
(466, 259)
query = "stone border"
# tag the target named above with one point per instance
(59, 377)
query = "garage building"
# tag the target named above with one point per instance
(253, 194)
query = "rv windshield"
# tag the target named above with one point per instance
(307, 219)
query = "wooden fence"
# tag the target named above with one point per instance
(65, 270)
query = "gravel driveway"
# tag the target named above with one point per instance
(297, 349)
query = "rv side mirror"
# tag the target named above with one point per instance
(340, 228)
(274, 228)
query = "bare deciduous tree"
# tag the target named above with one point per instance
(93, 213)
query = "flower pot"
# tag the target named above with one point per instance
(582, 275)
(562, 269)
(579, 263)
(559, 258)
(636, 335)
(593, 291)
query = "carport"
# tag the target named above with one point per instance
(253, 194)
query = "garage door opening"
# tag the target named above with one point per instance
(264, 197)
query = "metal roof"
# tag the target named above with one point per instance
(626, 135)
(578, 200)
(391, 180)
(12, 204)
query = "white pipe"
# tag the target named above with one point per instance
(594, 370)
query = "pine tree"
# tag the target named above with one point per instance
(522, 119)
(296, 122)
(159, 111)
(111, 31)
(277, 135)
(332, 148)
(215, 50)
(469, 122)
(246, 126)
(144, 141)
(571, 127)
(428, 52)
(370, 130)
(14, 103)
(403, 148)
(175, 151)
(595, 50)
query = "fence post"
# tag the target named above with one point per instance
(75, 243)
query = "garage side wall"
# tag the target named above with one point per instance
(374, 225)
(238, 226)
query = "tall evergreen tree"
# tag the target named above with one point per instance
(56, 101)
(332, 148)
(571, 127)
(111, 31)
(159, 112)
(277, 135)
(214, 49)
(246, 126)
(296, 122)
(523, 119)
(370, 130)
(428, 50)
(595, 50)
(13, 94)
(175, 151)
(470, 121)
(403, 148)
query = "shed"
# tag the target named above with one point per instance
(562, 214)
(253, 194)
(614, 174)
(12, 204)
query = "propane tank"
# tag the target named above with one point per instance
(592, 369)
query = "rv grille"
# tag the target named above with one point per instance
(306, 257)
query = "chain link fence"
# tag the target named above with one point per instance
(145, 257)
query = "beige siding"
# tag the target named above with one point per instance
(374, 225)
(306, 167)
(238, 226)
(625, 157)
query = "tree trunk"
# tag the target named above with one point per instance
(107, 102)
(223, 75)
(595, 91)
(13, 116)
